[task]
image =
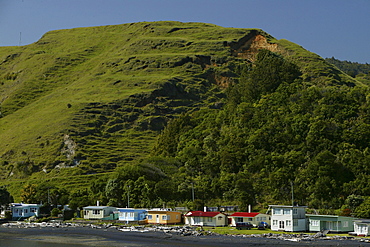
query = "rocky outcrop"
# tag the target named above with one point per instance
(248, 46)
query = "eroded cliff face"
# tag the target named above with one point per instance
(248, 47)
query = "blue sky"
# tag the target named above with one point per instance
(339, 28)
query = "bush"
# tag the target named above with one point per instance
(8, 215)
(55, 212)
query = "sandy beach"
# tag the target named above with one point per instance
(86, 236)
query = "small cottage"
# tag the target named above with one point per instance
(333, 223)
(254, 218)
(99, 213)
(163, 216)
(132, 215)
(200, 218)
(361, 227)
(288, 218)
(21, 211)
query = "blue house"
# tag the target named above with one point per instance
(132, 215)
(21, 211)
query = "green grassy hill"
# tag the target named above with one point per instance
(85, 101)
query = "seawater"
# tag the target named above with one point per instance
(29, 243)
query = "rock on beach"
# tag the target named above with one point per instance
(71, 234)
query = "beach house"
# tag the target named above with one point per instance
(21, 211)
(254, 218)
(361, 227)
(99, 213)
(163, 216)
(132, 215)
(288, 218)
(200, 218)
(333, 223)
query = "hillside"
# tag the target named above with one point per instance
(81, 103)
(357, 70)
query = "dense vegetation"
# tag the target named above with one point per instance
(275, 133)
(351, 68)
(149, 112)
(358, 70)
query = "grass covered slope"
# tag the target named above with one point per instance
(99, 94)
(96, 98)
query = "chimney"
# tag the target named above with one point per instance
(97, 203)
(249, 208)
(205, 209)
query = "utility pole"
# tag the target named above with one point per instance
(49, 196)
(291, 183)
(128, 196)
(192, 190)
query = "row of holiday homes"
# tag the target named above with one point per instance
(282, 218)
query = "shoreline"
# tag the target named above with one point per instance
(92, 235)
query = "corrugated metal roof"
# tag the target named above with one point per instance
(202, 214)
(244, 214)
(97, 207)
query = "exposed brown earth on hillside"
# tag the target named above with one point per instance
(248, 46)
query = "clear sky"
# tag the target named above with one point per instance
(339, 28)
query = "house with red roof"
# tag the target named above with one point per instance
(200, 218)
(253, 218)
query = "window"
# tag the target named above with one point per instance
(177, 216)
(345, 223)
(277, 211)
(295, 222)
(250, 219)
(150, 217)
(209, 219)
(168, 217)
(295, 210)
(239, 219)
(196, 220)
(164, 217)
(33, 210)
(274, 222)
(25, 210)
(315, 223)
(286, 211)
(85, 212)
(288, 223)
(131, 215)
(96, 211)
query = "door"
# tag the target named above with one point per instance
(157, 218)
(281, 224)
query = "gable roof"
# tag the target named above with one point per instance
(202, 214)
(329, 216)
(244, 214)
(365, 221)
(135, 210)
(97, 207)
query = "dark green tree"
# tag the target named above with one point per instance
(5, 197)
